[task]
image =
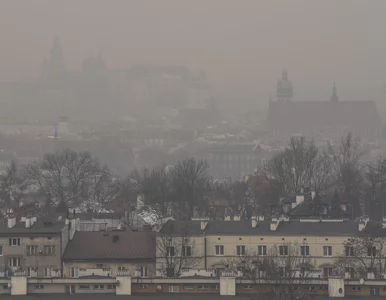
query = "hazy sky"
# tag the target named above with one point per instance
(242, 44)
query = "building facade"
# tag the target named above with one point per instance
(33, 247)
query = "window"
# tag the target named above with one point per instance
(39, 287)
(327, 250)
(282, 271)
(14, 262)
(143, 271)
(262, 250)
(49, 250)
(111, 286)
(240, 249)
(349, 250)
(84, 287)
(188, 286)
(47, 271)
(143, 286)
(14, 241)
(187, 251)
(372, 251)
(99, 286)
(169, 251)
(327, 272)
(32, 250)
(247, 287)
(283, 250)
(74, 272)
(305, 250)
(1, 250)
(356, 288)
(174, 288)
(32, 271)
(349, 272)
(99, 266)
(219, 249)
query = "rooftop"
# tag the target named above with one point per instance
(39, 227)
(115, 245)
(244, 227)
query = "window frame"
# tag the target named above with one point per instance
(263, 249)
(240, 250)
(305, 250)
(283, 250)
(327, 251)
(221, 250)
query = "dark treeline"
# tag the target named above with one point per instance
(186, 190)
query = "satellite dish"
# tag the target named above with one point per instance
(159, 288)
(361, 281)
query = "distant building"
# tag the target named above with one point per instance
(284, 90)
(324, 118)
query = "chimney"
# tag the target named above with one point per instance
(27, 223)
(384, 223)
(227, 218)
(274, 225)
(299, 199)
(236, 218)
(286, 207)
(362, 224)
(312, 195)
(254, 222)
(343, 206)
(11, 222)
(204, 224)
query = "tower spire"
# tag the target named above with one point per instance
(334, 96)
(56, 62)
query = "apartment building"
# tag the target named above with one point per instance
(33, 246)
(109, 253)
(213, 243)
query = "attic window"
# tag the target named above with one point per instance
(326, 239)
(261, 238)
(304, 239)
(219, 239)
(240, 239)
(282, 239)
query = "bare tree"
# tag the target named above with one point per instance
(191, 184)
(176, 250)
(11, 186)
(363, 255)
(155, 187)
(282, 272)
(71, 177)
(299, 165)
(349, 172)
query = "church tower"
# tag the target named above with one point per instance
(284, 91)
(56, 61)
(334, 96)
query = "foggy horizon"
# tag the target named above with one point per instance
(243, 46)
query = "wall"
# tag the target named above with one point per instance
(251, 243)
(39, 261)
(108, 265)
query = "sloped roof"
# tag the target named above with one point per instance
(244, 227)
(39, 227)
(98, 245)
(323, 113)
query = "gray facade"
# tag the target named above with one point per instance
(37, 249)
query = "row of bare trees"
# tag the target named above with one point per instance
(73, 178)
